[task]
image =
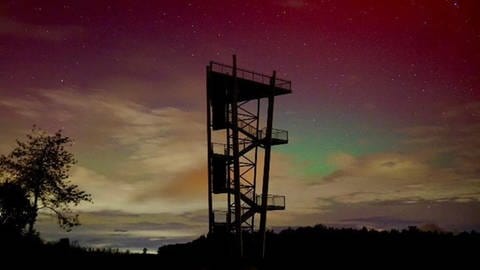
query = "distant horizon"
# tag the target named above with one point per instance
(383, 118)
(153, 249)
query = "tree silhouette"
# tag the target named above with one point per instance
(15, 209)
(41, 166)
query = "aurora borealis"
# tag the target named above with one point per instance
(383, 120)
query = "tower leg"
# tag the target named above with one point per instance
(236, 162)
(266, 168)
(209, 157)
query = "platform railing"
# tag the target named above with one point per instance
(277, 134)
(222, 149)
(275, 201)
(250, 75)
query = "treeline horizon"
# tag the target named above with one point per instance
(301, 244)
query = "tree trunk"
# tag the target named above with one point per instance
(33, 218)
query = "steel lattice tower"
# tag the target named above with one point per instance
(233, 117)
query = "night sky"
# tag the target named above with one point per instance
(383, 120)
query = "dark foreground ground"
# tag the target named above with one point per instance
(303, 248)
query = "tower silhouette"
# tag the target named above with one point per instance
(234, 107)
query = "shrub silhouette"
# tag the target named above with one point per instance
(15, 209)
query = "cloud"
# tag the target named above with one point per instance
(397, 177)
(190, 184)
(127, 230)
(381, 222)
(383, 215)
(387, 165)
(453, 143)
(101, 188)
(341, 160)
(39, 32)
(25, 108)
(123, 147)
(436, 163)
(166, 89)
(140, 158)
(462, 111)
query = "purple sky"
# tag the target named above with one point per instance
(383, 120)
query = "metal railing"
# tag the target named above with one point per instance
(277, 134)
(276, 201)
(249, 128)
(250, 75)
(222, 149)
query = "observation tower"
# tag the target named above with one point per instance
(239, 101)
